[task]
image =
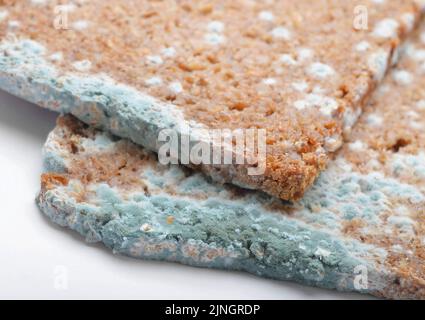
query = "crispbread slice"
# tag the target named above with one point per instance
(299, 69)
(361, 227)
(352, 232)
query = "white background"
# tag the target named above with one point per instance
(33, 250)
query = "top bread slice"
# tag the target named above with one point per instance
(301, 70)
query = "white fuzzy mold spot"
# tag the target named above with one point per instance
(413, 114)
(333, 143)
(418, 55)
(328, 106)
(216, 26)
(3, 15)
(322, 253)
(362, 46)
(374, 120)
(402, 77)
(378, 63)
(214, 38)
(319, 90)
(300, 86)
(325, 104)
(168, 52)
(154, 60)
(176, 87)
(57, 56)
(80, 25)
(83, 65)
(146, 227)
(320, 70)
(357, 146)
(304, 54)
(270, 81)
(301, 104)
(287, 59)
(266, 16)
(69, 7)
(416, 125)
(14, 24)
(386, 28)
(154, 81)
(420, 104)
(350, 118)
(414, 53)
(39, 2)
(281, 33)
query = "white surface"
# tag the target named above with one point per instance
(36, 256)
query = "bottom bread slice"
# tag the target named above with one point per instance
(360, 228)
(113, 191)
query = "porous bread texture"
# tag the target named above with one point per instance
(136, 67)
